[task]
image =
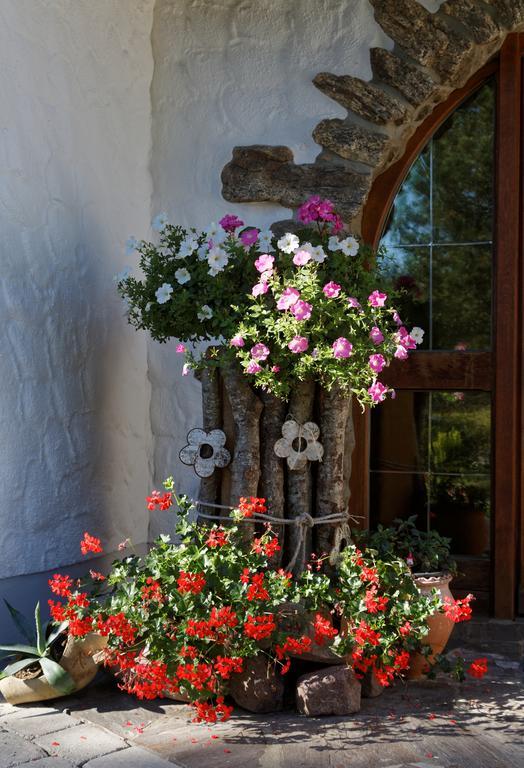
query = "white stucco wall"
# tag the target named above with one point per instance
(229, 73)
(75, 143)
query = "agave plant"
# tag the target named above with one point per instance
(43, 642)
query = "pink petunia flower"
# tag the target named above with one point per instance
(376, 335)
(401, 352)
(180, 348)
(275, 368)
(253, 367)
(259, 351)
(248, 237)
(354, 303)
(301, 257)
(396, 318)
(230, 222)
(378, 392)
(264, 263)
(342, 348)
(302, 310)
(298, 344)
(260, 288)
(376, 363)
(237, 341)
(289, 297)
(377, 299)
(331, 290)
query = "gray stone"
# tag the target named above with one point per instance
(428, 38)
(510, 13)
(364, 99)
(15, 750)
(371, 688)
(81, 743)
(330, 691)
(479, 23)
(411, 81)
(133, 757)
(51, 762)
(352, 142)
(259, 173)
(37, 721)
(258, 688)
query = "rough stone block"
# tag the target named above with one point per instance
(81, 743)
(133, 757)
(15, 750)
(330, 691)
(480, 24)
(364, 99)
(510, 13)
(352, 142)
(258, 688)
(411, 81)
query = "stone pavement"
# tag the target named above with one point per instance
(431, 724)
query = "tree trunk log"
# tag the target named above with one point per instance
(272, 477)
(299, 482)
(211, 419)
(246, 408)
(335, 410)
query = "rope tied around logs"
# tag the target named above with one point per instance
(303, 523)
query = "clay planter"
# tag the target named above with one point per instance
(77, 660)
(440, 627)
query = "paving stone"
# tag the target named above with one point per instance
(37, 721)
(6, 709)
(50, 762)
(133, 757)
(15, 750)
(80, 743)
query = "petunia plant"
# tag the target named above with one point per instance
(312, 304)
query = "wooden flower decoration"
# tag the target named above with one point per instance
(205, 451)
(299, 444)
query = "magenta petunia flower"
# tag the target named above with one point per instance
(264, 263)
(342, 348)
(302, 310)
(298, 344)
(260, 288)
(248, 237)
(237, 341)
(180, 348)
(289, 297)
(301, 257)
(230, 222)
(331, 290)
(376, 335)
(377, 299)
(259, 351)
(401, 352)
(354, 303)
(376, 363)
(253, 367)
(378, 392)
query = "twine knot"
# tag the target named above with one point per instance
(305, 520)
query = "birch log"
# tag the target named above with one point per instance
(211, 419)
(272, 479)
(299, 482)
(246, 408)
(335, 410)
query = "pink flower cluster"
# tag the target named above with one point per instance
(405, 342)
(316, 209)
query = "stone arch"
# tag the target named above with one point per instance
(433, 55)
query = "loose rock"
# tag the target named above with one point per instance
(258, 688)
(330, 691)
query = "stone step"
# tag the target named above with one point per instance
(350, 141)
(480, 24)
(412, 82)
(364, 99)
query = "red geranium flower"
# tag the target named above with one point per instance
(249, 506)
(90, 544)
(191, 582)
(478, 668)
(61, 585)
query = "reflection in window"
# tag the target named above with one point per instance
(441, 229)
(439, 469)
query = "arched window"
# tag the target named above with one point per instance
(447, 449)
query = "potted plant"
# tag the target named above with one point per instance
(51, 665)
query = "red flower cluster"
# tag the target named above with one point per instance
(364, 634)
(259, 627)
(145, 678)
(218, 619)
(267, 548)
(96, 576)
(61, 585)
(370, 575)
(208, 713)
(119, 626)
(217, 538)
(159, 500)
(458, 610)
(152, 591)
(373, 603)
(324, 630)
(90, 544)
(292, 645)
(79, 627)
(256, 590)
(190, 582)
(478, 668)
(249, 506)
(226, 666)
(200, 676)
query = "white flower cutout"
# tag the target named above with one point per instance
(205, 451)
(299, 444)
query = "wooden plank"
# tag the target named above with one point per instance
(359, 481)
(507, 341)
(441, 370)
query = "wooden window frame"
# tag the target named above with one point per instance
(500, 371)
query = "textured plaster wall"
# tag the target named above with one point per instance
(75, 139)
(235, 72)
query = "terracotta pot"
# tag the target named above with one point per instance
(440, 627)
(77, 660)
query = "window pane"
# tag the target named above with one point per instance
(409, 269)
(399, 433)
(460, 509)
(410, 220)
(395, 495)
(460, 432)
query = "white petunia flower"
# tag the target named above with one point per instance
(213, 272)
(216, 234)
(217, 258)
(182, 276)
(206, 313)
(417, 334)
(163, 294)
(288, 243)
(308, 247)
(264, 241)
(202, 252)
(159, 222)
(187, 246)
(334, 243)
(131, 245)
(318, 254)
(349, 246)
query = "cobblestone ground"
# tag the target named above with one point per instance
(433, 724)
